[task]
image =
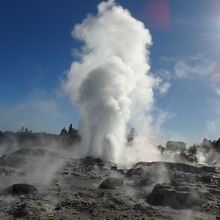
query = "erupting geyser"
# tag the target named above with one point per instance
(110, 83)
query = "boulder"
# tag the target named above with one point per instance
(163, 195)
(111, 183)
(21, 189)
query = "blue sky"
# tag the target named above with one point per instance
(36, 50)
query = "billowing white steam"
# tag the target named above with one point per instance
(110, 84)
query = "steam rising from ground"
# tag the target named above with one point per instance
(111, 85)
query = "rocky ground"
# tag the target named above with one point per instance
(41, 184)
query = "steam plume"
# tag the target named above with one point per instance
(110, 84)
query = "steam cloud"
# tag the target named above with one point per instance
(111, 84)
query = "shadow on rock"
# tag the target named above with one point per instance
(163, 195)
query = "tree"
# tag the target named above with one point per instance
(131, 136)
(70, 129)
(63, 132)
(22, 129)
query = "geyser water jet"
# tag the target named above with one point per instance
(111, 84)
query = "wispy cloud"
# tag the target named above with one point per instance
(194, 70)
(192, 67)
(161, 85)
(218, 91)
(211, 126)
